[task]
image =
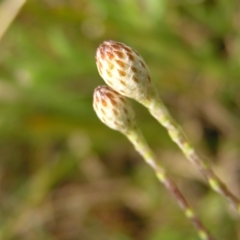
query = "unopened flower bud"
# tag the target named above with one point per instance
(113, 109)
(124, 70)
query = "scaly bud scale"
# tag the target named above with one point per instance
(123, 69)
(113, 109)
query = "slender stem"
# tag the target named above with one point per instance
(142, 147)
(159, 111)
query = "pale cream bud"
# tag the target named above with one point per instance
(113, 109)
(124, 70)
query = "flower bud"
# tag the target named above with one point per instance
(113, 109)
(124, 70)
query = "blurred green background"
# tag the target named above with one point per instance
(66, 176)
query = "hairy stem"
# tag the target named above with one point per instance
(142, 147)
(161, 114)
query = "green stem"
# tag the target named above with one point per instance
(142, 147)
(159, 112)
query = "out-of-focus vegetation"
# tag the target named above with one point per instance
(63, 174)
